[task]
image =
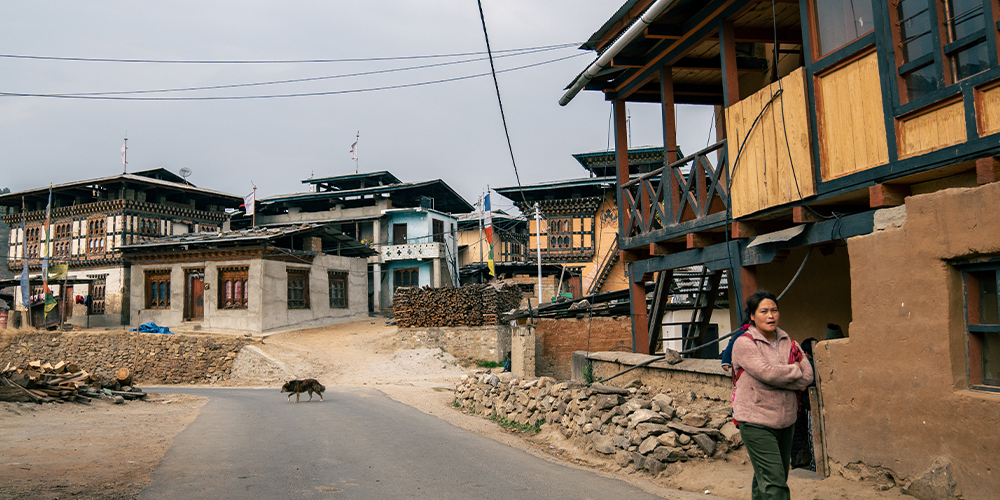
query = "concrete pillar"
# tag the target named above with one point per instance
(436, 274)
(522, 351)
(377, 287)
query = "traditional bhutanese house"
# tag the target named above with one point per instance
(92, 219)
(249, 281)
(414, 246)
(856, 170)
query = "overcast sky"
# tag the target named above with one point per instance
(451, 130)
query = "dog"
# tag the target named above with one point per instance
(309, 385)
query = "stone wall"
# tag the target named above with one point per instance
(643, 429)
(466, 343)
(556, 339)
(153, 358)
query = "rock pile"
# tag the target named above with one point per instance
(642, 430)
(153, 358)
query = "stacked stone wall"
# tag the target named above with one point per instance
(640, 428)
(468, 343)
(152, 358)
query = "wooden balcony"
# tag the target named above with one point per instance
(689, 195)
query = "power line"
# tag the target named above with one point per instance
(270, 61)
(496, 85)
(278, 96)
(308, 79)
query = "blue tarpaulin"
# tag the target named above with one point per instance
(153, 328)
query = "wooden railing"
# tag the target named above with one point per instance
(688, 195)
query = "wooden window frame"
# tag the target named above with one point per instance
(297, 279)
(340, 278)
(414, 277)
(97, 293)
(437, 231)
(154, 277)
(814, 31)
(233, 294)
(395, 233)
(976, 332)
(943, 48)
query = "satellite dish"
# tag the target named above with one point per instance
(185, 173)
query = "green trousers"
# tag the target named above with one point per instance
(770, 453)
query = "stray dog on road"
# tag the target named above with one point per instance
(309, 385)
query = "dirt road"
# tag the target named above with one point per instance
(105, 451)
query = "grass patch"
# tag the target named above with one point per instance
(514, 426)
(455, 403)
(482, 363)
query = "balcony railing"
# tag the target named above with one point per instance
(688, 195)
(432, 250)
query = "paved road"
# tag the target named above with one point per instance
(358, 444)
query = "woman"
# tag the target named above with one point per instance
(769, 367)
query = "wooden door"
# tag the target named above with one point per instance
(399, 234)
(67, 302)
(195, 296)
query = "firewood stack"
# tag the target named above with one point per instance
(46, 383)
(469, 305)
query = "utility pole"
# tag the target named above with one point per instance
(538, 245)
(481, 215)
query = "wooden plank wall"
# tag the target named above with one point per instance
(924, 131)
(988, 109)
(850, 118)
(765, 176)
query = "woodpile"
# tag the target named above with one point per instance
(469, 305)
(39, 382)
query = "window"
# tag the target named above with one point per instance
(930, 32)
(399, 234)
(338, 290)
(409, 276)
(839, 22)
(97, 293)
(965, 33)
(233, 287)
(298, 288)
(437, 228)
(560, 234)
(95, 235)
(158, 289)
(983, 320)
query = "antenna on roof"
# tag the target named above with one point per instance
(124, 156)
(185, 173)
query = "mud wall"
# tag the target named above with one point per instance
(556, 339)
(153, 358)
(821, 294)
(896, 393)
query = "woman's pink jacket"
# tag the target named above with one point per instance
(765, 392)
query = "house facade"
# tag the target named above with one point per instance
(249, 281)
(371, 208)
(856, 168)
(92, 219)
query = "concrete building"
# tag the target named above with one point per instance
(249, 281)
(856, 167)
(364, 206)
(92, 219)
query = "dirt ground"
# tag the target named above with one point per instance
(106, 451)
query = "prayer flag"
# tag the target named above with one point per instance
(25, 287)
(354, 150)
(489, 235)
(58, 271)
(249, 202)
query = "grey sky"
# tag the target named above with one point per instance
(449, 130)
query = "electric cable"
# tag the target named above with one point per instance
(496, 85)
(278, 96)
(300, 80)
(273, 61)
